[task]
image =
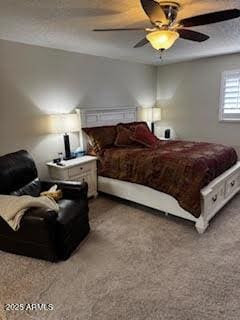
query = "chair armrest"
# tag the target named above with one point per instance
(70, 189)
(36, 215)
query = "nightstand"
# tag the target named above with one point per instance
(79, 169)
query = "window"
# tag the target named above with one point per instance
(230, 96)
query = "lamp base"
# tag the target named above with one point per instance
(69, 158)
(68, 155)
(152, 127)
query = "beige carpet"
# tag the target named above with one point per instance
(135, 265)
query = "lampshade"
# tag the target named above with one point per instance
(147, 114)
(151, 114)
(162, 39)
(63, 123)
(157, 114)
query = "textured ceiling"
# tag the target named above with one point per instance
(67, 24)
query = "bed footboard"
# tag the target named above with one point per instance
(214, 196)
(217, 194)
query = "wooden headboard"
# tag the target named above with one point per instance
(103, 117)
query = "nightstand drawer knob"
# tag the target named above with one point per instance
(214, 199)
(233, 183)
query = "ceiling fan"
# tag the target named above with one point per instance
(166, 28)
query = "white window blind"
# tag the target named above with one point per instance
(230, 96)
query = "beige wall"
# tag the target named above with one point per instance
(189, 93)
(36, 81)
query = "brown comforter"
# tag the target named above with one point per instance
(178, 168)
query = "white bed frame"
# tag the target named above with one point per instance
(213, 197)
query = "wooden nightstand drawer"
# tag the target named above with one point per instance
(81, 169)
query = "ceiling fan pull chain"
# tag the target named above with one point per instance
(161, 54)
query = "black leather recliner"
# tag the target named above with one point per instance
(43, 233)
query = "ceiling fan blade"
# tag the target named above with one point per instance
(210, 18)
(120, 29)
(192, 35)
(141, 43)
(154, 11)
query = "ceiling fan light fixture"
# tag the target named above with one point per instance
(162, 39)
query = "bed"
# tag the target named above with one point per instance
(221, 184)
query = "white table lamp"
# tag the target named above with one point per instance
(64, 123)
(152, 115)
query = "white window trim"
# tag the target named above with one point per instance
(222, 92)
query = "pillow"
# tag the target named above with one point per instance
(101, 137)
(133, 125)
(91, 151)
(123, 138)
(144, 136)
(33, 189)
